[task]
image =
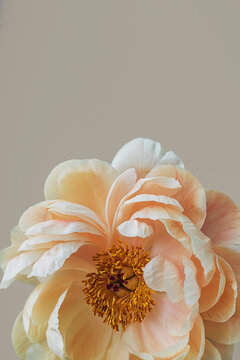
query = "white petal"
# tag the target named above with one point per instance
(62, 227)
(153, 273)
(53, 259)
(16, 265)
(134, 228)
(191, 288)
(54, 337)
(142, 154)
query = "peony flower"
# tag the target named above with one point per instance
(133, 260)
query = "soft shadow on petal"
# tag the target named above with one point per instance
(233, 259)
(226, 351)
(85, 182)
(19, 338)
(226, 305)
(191, 196)
(222, 223)
(226, 332)
(196, 341)
(211, 352)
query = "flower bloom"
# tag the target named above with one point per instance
(133, 260)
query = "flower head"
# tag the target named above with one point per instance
(133, 260)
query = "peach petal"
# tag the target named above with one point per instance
(191, 196)
(222, 223)
(226, 351)
(196, 341)
(191, 288)
(211, 352)
(85, 182)
(211, 293)
(53, 259)
(73, 210)
(143, 154)
(120, 188)
(173, 281)
(233, 259)
(62, 227)
(226, 305)
(19, 339)
(134, 228)
(175, 230)
(225, 332)
(35, 214)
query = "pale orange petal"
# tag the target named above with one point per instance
(191, 196)
(222, 223)
(85, 182)
(226, 332)
(233, 259)
(226, 305)
(196, 341)
(211, 352)
(211, 293)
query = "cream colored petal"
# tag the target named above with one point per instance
(175, 230)
(40, 351)
(196, 341)
(70, 210)
(211, 352)
(19, 338)
(211, 293)
(54, 337)
(153, 273)
(226, 305)
(53, 259)
(173, 281)
(119, 189)
(191, 288)
(86, 182)
(222, 223)
(143, 154)
(18, 264)
(17, 236)
(191, 196)
(116, 349)
(35, 214)
(134, 228)
(225, 332)
(145, 199)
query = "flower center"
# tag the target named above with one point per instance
(117, 292)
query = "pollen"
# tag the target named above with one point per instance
(117, 292)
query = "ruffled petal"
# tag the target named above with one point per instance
(191, 196)
(233, 259)
(225, 332)
(143, 154)
(86, 182)
(222, 223)
(134, 228)
(226, 305)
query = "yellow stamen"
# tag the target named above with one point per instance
(117, 292)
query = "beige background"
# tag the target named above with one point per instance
(80, 78)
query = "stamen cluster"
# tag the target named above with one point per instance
(117, 292)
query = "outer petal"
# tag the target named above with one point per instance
(19, 338)
(192, 195)
(85, 182)
(227, 332)
(143, 154)
(226, 305)
(222, 223)
(211, 352)
(196, 341)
